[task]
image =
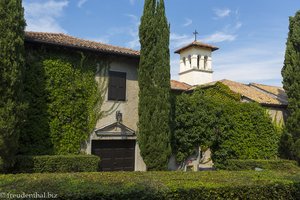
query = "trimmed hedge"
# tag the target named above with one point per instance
(56, 163)
(233, 164)
(159, 185)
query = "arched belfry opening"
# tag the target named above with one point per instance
(197, 69)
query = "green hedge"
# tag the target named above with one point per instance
(233, 164)
(56, 163)
(1, 166)
(159, 185)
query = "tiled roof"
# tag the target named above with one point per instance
(70, 41)
(253, 94)
(197, 44)
(262, 96)
(176, 85)
(278, 91)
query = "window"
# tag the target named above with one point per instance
(198, 61)
(190, 60)
(205, 62)
(117, 86)
(184, 61)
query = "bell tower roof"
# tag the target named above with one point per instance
(197, 45)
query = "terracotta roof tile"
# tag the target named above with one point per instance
(271, 89)
(197, 44)
(70, 41)
(176, 85)
(253, 94)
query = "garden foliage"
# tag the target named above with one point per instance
(215, 117)
(12, 26)
(56, 164)
(64, 100)
(278, 164)
(279, 185)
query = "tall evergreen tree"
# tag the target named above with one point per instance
(291, 84)
(154, 83)
(12, 26)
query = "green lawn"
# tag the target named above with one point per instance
(159, 185)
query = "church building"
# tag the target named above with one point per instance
(114, 138)
(196, 70)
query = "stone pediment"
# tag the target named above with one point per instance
(115, 129)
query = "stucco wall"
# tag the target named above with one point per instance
(128, 108)
(192, 72)
(277, 114)
(196, 77)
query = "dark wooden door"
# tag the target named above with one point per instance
(115, 155)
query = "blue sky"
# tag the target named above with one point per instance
(251, 35)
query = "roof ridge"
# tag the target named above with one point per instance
(99, 42)
(41, 32)
(180, 82)
(65, 39)
(265, 85)
(196, 43)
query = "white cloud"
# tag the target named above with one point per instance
(187, 22)
(129, 32)
(177, 40)
(81, 2)
(134, 43)
(220, 13)
(238, 25)
(100, 39)
(132, 2)
(174, 63)
(219, 37)
(43, 16)
(133, 32)
(259, 63)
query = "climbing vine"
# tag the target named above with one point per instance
(64, 91)
(215, 117)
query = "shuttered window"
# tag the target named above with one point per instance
(117, 86)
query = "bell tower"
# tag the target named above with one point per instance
(196, 63)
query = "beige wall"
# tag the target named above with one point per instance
(128, 108)
(277, 114)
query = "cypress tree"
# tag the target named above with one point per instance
(154, 83)
(12, 26)
(291, 84)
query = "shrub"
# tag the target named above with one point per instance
(159, 185)
(56, 163)
(233, 164)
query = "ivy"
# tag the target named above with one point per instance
(64, 99)
(215, 117)
(69, 92)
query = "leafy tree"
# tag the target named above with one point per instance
(291, 84)
(12, 25)
(154, 84)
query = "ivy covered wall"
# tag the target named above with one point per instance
(63, 98)
(216, 118)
